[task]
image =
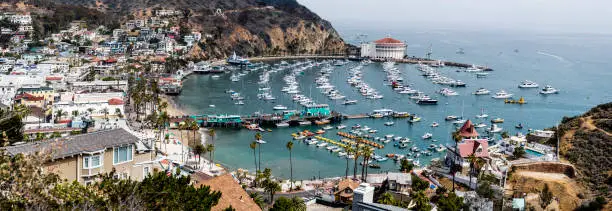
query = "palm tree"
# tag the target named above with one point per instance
(348, 149)
(211, 151)
(257, 138)
(253, 145)
(271, 187)
(289, 147)
(59, 113)
(367, 153)
(180, 128)
(199, 150)
(105, 112)
(75, 113)
(357, 153)
(472, 159)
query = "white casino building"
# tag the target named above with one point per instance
(386, 48)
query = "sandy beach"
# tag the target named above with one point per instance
(173, 109)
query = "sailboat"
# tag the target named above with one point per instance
(482, 114)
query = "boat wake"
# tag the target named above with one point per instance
(561, 59)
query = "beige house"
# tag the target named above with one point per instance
(85, 157)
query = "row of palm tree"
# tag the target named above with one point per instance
(358, 151)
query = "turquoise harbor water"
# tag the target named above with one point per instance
(578, 65)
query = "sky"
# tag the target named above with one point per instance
(574, 16)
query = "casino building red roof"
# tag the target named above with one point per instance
(388, 40)
(468, 130)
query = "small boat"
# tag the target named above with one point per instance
(340, 127)
(282, 124)
(320, 132)
(502, 94)
(451, 117)
(389, 136)
(215, 76)
(519, 126)
(389, 123)
(341, 154)
(482, 114)
(497, 120)
(482, 91)
(427, 102)
(260, 141)
(330, 148)
(434, 124)
(212, 106)
(459, 121)
(402, 146)
(372, 131)
(356, 126)
(328, 128)
(528, 84)
(374, 166)
(481, 75)
(280, 107)
(494, 129)
(337, 149)
(322, 144)
(414, 119)
(299, 137)
(548, 89)
(349, 102)
(480, 125)
(269, 130)
(312, 142)
(239, 103)
(427, 136)
(381, 159)
(305, 123)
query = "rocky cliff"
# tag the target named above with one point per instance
(249, 27)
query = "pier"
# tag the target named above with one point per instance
(415, 60)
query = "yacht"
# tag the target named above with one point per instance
(448, 92)
(548, 89)
(434, 124)
(528, 84)
(480, 125)
(482, 91)
(389, 123)
(280, 107)
(427, 136)
(427, 102)
(482, 114)
(494, 129)
(349, 102)
(502, 95)
(236, 60)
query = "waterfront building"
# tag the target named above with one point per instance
(317, 110)
(85, 157)
(386, 48)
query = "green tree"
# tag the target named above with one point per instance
(290, 147)
(356, 155)
(545, 196)
(366, 151)
(406, 166)
(59, 114)
(257, 199)
(348, 149)
(160, 192)
(450, 203)
(386, 198)
(253, 145)
(421, 202)
(258, 137)
(199, 150)
(472, 159)
(271, 187)
(288, 204)
(419, 184)
(210, 148)
(519, 152)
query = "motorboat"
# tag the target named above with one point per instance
(481, 75)
(340, 127)
(414, 119)
(282, 124)
(330, 148)
(435, 124)
(389, 136)
(402, 146)
(349, 102)
(239, 103)
(305, 123)
(320, 132)
(341, 154)
(519, 126)
(482, 91)
(215, 76)
(322, 144)
(448, 92)
(497, 120)
(328, 127)
(312, 142)
(459, 121)
(280, 107)
(259, 141)
(480, 125)
(389, 123)
(427, 102)
(528, 84)
(451, 118)
(482, 115)
(548, 89)
(373, 131)
(427, 136)
(212, 106)
(494, 129)
(502, 94)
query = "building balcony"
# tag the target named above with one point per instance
(91, 172)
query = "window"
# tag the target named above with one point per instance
(91, 162)
(122, 154)
(146, 171)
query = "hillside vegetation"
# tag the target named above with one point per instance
(586, 142)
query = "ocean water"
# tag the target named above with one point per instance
(577, 64)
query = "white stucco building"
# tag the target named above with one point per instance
(386, 48)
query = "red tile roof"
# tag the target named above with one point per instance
(388, 40)
(28, 97)
(115, 101)
(478, 147)
(468, 130)
(53, 78)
